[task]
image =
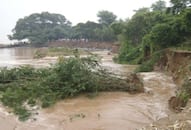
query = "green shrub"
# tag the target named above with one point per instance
(23, 113)
(130, 55)
(21, 73)
(40, 53)
(184, 96)
(186, 87)
(185, 92)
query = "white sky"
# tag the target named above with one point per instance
(74, 10)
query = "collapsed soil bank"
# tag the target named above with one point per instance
(177, 63)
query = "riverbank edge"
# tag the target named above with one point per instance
(176, 63)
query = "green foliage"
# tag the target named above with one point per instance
(187, 87)
(148, 65)
(40, 28)
(105, 34)
(73, 74)
(171, 33)
(7, 75)
(136, 36)
(136, 28)
(19, 85)
(86, 30)
(118, 27)
(184, 92)
(93, 32)
(184, 96)
(57, 51)
(159, 6)
(164, 35)
(178, 6)
(130, 55)
(22, 112)
(39, 53)
(106, 17)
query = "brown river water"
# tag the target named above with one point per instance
(107, 111)
(13, 57)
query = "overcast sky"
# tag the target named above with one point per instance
(74, 10)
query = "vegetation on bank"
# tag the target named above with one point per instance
(178, 102)
(186, 90)
(57, 51)
(24, 87)
(153, 29)
(148, 65)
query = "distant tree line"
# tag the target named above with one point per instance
(40, 28)
(149, 29)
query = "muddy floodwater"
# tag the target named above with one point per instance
(107, 111)
(14, 57)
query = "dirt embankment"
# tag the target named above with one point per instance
(114, 47)
(178, 64)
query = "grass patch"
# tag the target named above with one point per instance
(40, 53)
(190, 67)
(185, 91)
(56, 51)
(182, 97)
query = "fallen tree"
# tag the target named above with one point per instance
(24, 87)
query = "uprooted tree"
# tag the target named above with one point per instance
(23, 87)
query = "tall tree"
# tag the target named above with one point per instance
(106, 17)
(86, 30)
(93, 32)
(41, 28)
(179, 5)
(159, 6)
(137, 27)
